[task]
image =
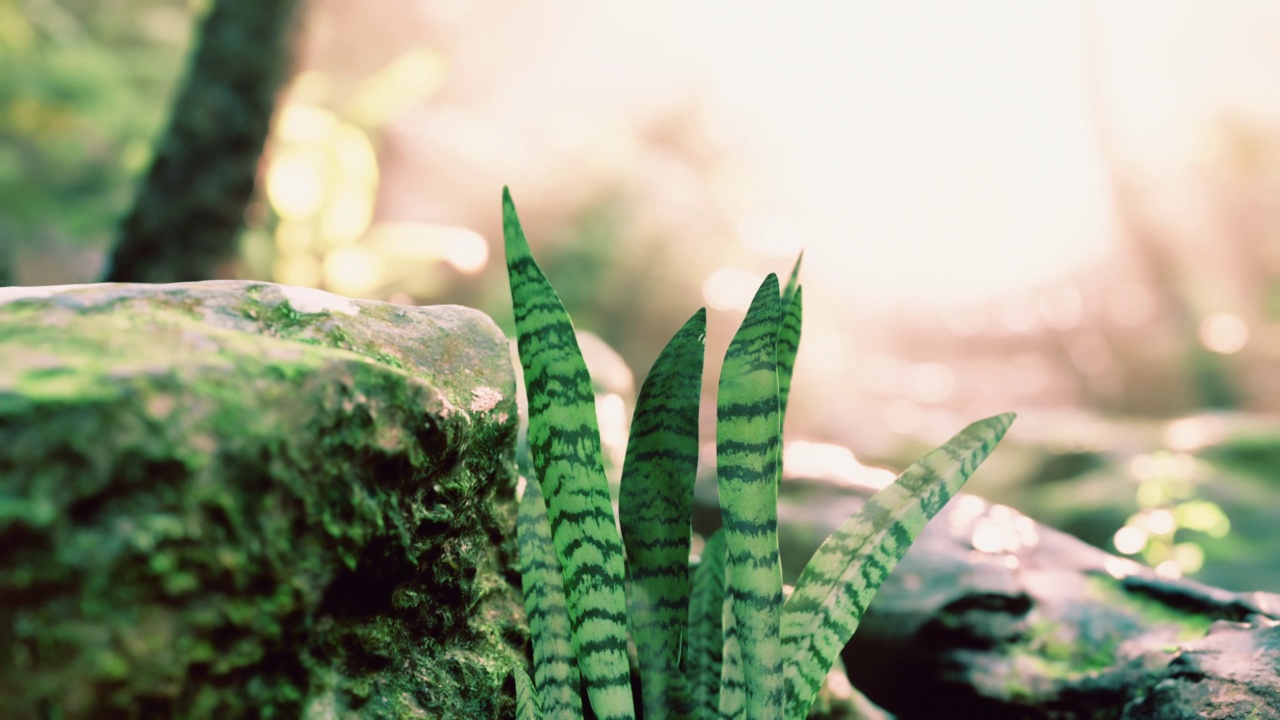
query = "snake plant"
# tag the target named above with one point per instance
(713, 639)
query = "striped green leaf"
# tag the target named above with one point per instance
(839, 582)
(655, 506)
(733, 679)
(564, 444)
(788, 344)
(747, 458)
(704, 642)
(526, 698)
(555, 670)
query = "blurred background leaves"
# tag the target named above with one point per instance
(83, 94)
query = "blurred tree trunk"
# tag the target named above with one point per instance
(189, 209)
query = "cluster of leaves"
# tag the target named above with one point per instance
(714, 639)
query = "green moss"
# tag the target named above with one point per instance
(1190, 625)
(211, 522)
(1051, 652)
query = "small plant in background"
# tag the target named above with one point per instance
(714, 639)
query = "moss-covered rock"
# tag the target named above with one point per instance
(236, 499)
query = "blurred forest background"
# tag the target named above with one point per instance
(1069, 209)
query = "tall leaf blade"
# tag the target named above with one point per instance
(704, 642)
(554, 669)
(564, 444)
(747, 457)
(526, 698)
(788, 346)
(839, 582)
(655, 506)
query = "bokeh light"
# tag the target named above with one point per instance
(1224, 333)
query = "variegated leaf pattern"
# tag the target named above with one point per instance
(788, 337)
(555, 671)
(747, 457)
(526, 698)
(655, 506)
(733, 680)
(704, 642)
(564, 443)
(839, 582)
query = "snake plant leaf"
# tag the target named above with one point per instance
(733, 680)
(655, 506)
(788, 344)
(704, 642)
(564, 444)
(788, 339)
(555, 670)
(526, 698)
(747, 458)
(839, 582)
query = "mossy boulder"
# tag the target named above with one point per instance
(237, 499)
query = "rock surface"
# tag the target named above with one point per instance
(992, 615)
(238, 499)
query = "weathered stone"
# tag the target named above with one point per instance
(993, 615)
(1229, 674)
(238, 499)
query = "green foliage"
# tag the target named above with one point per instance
(554, 664)
(656, 505)
(564, 445)
(82, 97)
(716, 639)
(748, 458)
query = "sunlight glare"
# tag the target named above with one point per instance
(302, 123)
(824, 461)
(296, 180)
(408, 80)
(352, 270)
(300, 270)
(463, 248)
(924, 164)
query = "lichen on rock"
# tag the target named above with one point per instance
(234, 499)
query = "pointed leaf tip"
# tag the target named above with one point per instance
(845, 573)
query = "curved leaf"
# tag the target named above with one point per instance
(526, 698)
(839, 582)
(655, 506)
(564, 444)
